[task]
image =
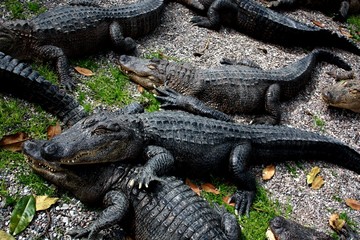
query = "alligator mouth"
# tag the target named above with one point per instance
(41, 165)
(148, 81)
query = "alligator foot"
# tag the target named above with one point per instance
(68, 84)
(81, 232)
(243, 201)
(144, 177)
(204, 22)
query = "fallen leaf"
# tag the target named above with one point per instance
(193, 186)
(52, 131)
(354, 204)
(317, 183)
(13, 142)
(312, 174)
(5, 236)
(268, 172)
(84, 71)
(226, 200)
(318, 23)
(22, 214)
(208, 187)
(270, 235)
(335, 222)
(140, 89)
(345, 32)
(44, 202)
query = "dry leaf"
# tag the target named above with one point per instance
(354, 204)
(335, 222)
(84, 71)
(312, 174)
(317, 23)
(226, 200)
(208, 187)
(345, 32)
(13, 142)
(140, 89)
(268, 172)
(270, 235)
(44, 202)
(193, 186)
(52, 131)
(317, 183)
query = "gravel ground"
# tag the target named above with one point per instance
(176, 37)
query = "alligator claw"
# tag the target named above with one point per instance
(79, 233)
(68, 85)
(243, 201)
(167, 97)
(145, 177)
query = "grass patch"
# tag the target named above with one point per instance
(47, 72)
(354, 26)
(319, 123)
(20, 10)
(36, 183)
(149, 101)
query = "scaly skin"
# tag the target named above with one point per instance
(342, 8)
(284, 229)
(168, 210)
(259, 22)
(192, 146)
(78, 29)
(20, 80)
(229, 89)
(343, 94)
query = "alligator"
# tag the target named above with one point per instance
(168, 210)
(285, 229)
(343, 94)
(21, 81)
(77, 29)
(262, 23)
(193, 146)
(230, 89)
(342, 8)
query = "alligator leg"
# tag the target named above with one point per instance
(343, 11)
(229, 223)
(121, 44)
(116, 204)
(246, 184)
(160, 161)
(272, 106)
(212, 21)
(62, 66)
(171, 99)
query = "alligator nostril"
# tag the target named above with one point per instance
(49, 150)
(124, 58)
(28, 146)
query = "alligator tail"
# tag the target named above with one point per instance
(329, 57)
(21, 81)
(333, 39)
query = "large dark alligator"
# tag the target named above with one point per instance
(259, 22)
(342, 8)
(284, 229)
(230, 89)
(168, 210)
(193, 146)
(78, 29)
(21, 81)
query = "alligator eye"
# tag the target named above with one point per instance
(155, 60)
(106, 129)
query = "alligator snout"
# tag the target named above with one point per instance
(51, 151)
(124, 58)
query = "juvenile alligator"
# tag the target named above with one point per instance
(259, 22)
(284, 229)
(343, 94)
(168, 210)
(342, 8)
(192, 146)
(21, 81)
(230, 89)
(78, 29)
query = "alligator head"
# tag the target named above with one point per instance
(95, 139)
(13, 35)
(343, 94)
(88, 183)
(149, 73)
(283, 229)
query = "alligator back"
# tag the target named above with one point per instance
(20, 80)
(171, 210)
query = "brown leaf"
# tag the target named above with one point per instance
(335, 222)
(312, 174)
(140, 89)
(193, 186)
(84, 71)
(52, 131)
(268, 172)
(317, 183)
(208, 187)
(345, 32)
(226, 200)
(13, 142)
(317, 23)
(354, 204)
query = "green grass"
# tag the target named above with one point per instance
(19, 10)
(319, 123)
(354, 23)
